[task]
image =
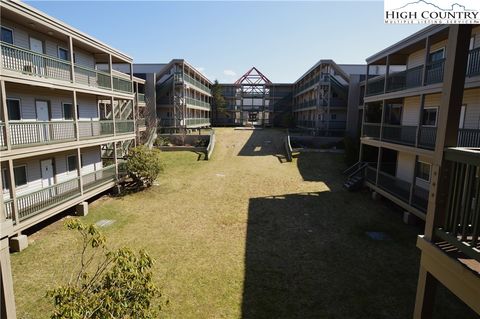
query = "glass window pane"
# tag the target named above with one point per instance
(67, 111)
(72, 163)
(20, 173)
(13, 108)
(7, 35)
(63, 54)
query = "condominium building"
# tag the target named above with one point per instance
(410, 118)
(400, 115)
(68, 108)
(183, 96)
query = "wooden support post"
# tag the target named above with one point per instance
(13, 191)
(427, 54)
(112, 100)
(75, 115)
(387, 73)
(8, 138)
(72, 65)
(79, 169)
(420, 120)
(110, 67)
(448, 118)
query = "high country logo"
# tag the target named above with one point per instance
(440, 12)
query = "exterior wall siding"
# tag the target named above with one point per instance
(405, 166)
(411, 111)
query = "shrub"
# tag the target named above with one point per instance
(144, 165)
(109, 284)
(201, 142)
(162, 141)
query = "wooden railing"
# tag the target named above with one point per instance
(196, 121)
(468, 138)
(141, 97)
(474, 62)
(288, 148)
(401, 134)
(407, 79)
(8, 206)
(94, 128)
(29, 62)
(124, 126)
(33, 133)
(98, 177)
(195, 102)
(371, 130)
(121, 85)
(3, 136)
(91, 77)
(413, 195)
(461, 226)
(38, 201)
(211, 145)
(179, 78)
(305, 123)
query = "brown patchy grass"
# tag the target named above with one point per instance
(246, 235)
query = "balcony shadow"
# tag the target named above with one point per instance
(308, 256)
(327, 168)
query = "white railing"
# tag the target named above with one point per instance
(32, 133)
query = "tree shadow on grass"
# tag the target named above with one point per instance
(308, 256)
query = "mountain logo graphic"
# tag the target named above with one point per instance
(453, 7)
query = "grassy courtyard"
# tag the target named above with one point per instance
(247, 235)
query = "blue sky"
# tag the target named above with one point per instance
(224, 39)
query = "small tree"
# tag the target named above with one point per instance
(144, 165)
(109, 284)
(218, 101)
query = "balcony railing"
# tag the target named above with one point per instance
(371, 130)
(99, 177)
(94, 128)
(375, 85)
(121, 85)
(8, 205)
(195, 102)
(38, 201)
(305, 104)
(91, 77)
(36, 64)
(124, 126)
(3, 136)
(399, 134)
(196, 121)
(407, 79)
(474, 62)
(428, 136)
(141, 97)
(141, 122)
(468, 138)
(461, 226)
(33, 133)
(434, 72)
(180, 78)
(415, 196)
(305, 123)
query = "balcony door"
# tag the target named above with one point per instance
(38, 66)
(43, 116)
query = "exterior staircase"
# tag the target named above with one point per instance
(356, 176)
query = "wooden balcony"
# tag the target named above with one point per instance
(42, 66)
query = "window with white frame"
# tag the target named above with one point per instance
(429, 117)
(424, 171)
(436, 55)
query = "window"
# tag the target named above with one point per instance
(436, 55)
(7, 35)
(71, 163)
(423, 171)
(333, 116)
(20, 174)
(63, 54)
(13, 109)
(67, 111)
(429, 117)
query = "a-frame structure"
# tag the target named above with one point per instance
(252, 95)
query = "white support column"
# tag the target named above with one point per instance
(112, 100)
(7, 302)
(110, 66)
